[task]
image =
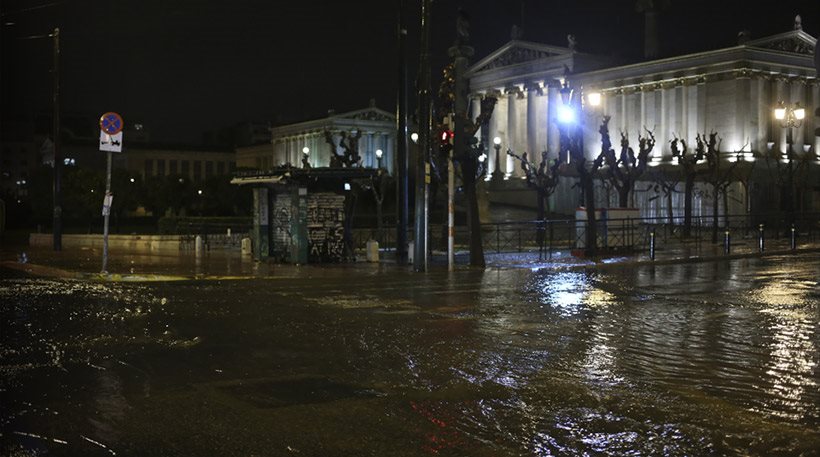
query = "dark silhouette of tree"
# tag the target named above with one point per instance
(572, 145)
(544, 180)
(718, 173)
(666, 183)
(471, 171)
(688, 162)
(624, 169)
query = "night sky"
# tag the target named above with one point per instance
(182, 67)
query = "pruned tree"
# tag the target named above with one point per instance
(666, 184)
(623, 170)
(688, 161)
(718, 173)
(544, 179)
(472, 169)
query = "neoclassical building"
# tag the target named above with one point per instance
(732, 91)
(288, 142)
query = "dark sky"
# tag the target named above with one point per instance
(181, 67)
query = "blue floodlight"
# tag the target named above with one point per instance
(566, 115)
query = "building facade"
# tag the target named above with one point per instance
(731, 91)
(288, 142)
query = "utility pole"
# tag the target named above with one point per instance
(425, 108)
(58, 160)
(460, 54)
(401, 139)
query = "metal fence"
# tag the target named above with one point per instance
(631, 234)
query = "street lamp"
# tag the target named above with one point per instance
(379, 154)
(497, 175)
(415, 137)
(789, 118)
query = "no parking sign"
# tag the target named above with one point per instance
(111, 125)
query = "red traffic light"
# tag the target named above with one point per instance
(446, 135)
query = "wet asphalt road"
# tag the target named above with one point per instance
(692, 359)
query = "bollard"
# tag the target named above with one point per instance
(198, 245)
(761, 240)
(372, 251)
(652, 244)
(727, 243)
(246, 246)
(793, 239)
(229, 233)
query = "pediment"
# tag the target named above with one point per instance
(796, 41)
(368, 114)
(517, 52)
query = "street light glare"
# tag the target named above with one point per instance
(780, 113)
(379, 153)
(799, 114)
(566, 115)
(415, 137)
(496, 140)
(594, 98)
(305, 150)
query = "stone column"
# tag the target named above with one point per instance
(498, 123)
(532, 120)
(512, 129)
(666, 131)
(553, 135)
(780, 93)
(814, 121)
(742, 115)
(798, 95)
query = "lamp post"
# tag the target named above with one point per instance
(379, 154)
(497, 175)
(790, 117)
(305, 155)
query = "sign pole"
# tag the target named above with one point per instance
(106, 213)
(111, 125)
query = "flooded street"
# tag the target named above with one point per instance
(688, 359)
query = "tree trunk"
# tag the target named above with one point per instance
(379, 222)
(715, 213)
(473, 220)
(623, 197)
(539, 234)
(591, 229)
(689, 189)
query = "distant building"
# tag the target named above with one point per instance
(287, 142)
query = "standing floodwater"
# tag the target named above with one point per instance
(691, 359)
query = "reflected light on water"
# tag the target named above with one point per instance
(568, 292)
(792, 347)
(791, 365)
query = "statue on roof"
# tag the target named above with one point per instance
(572, 43)
(516, 33)
(798, 23)
(462, 28)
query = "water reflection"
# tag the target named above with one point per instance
(680, 360)
(793, 350)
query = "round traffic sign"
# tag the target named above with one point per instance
(111, 123)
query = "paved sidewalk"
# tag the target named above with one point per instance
(230, 265)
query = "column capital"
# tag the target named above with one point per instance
(534, 86)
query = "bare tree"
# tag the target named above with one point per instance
(717, 173)
(624, 169)
(688, 162)
(544, 180)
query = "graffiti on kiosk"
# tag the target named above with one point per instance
(325, 228)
